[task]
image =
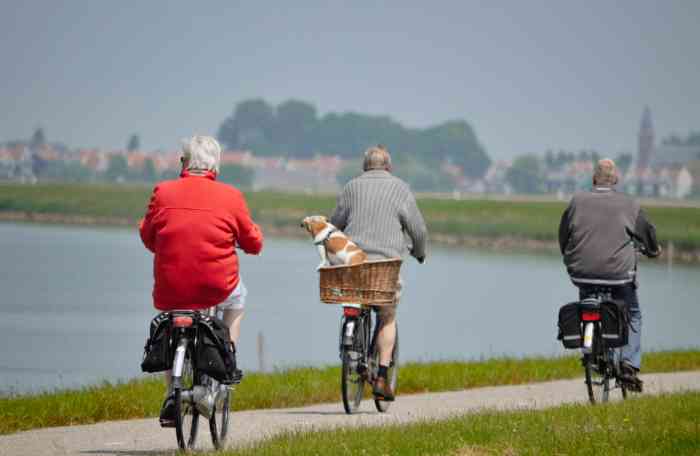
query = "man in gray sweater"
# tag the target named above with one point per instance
(379, 213)
(594, 238)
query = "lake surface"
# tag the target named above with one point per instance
(76, 305)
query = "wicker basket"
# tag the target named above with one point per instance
(373, 282)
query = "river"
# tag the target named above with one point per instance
(76, 305)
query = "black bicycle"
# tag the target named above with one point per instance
(195, 393)
(360, 356)
(601, 362)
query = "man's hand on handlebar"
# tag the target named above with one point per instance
(421, 260)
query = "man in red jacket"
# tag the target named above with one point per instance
(193, 226)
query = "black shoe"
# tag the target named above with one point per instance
(382, 390)
(630, 378)
(236, 377)
(168, 412)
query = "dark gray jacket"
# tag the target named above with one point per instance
(594, 239)
(378, 211)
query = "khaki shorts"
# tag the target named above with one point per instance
(387, 313)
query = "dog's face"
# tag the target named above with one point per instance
(314, 224)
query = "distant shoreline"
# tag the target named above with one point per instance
(503, 243)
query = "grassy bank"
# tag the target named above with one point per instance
(448, 220)
(667, 424)
(296, 387)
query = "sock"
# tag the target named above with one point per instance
(382, 371)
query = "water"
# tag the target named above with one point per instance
(76, 306)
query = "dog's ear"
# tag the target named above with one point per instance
(305, 223)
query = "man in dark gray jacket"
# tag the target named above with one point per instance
(379, 213)
(594, 238)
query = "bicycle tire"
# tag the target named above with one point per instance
(392, 373)
(597, 384)
(352, 382)
(186, 414)
(219, 422)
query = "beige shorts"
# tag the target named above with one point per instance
(387, 313)
(236, 301)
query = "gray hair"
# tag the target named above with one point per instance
(605, 172)
(377, 157)
(203, 153)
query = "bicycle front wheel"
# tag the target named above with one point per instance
(392, 373)
(597, 380)
(187, 416)
(218, 424)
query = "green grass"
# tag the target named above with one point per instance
(297, 387)
(465, 218)
(648, 425)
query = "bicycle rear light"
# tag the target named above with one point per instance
(590, 316)
(351, 311)
(182, 322)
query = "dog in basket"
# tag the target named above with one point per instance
(334, 247)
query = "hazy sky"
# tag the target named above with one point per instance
(527, 75)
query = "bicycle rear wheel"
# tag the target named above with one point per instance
(352, 381)
(392, 374)
(218, 424)
(186, 414)
(597, 380)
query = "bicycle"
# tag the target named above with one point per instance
(359, 355)
(359, 289)
(602, 364)
(195, 393)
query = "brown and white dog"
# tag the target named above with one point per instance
(334, 247)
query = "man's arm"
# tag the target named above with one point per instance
(414, 225)
(250, 236)
(646, 232)
(340, 214)
(564, 229)
(146, 226)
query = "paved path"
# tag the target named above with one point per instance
(146, 437)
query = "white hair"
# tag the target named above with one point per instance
(203, 153)
(377, 157)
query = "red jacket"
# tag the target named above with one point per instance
(193, 225)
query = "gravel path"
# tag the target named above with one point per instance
(146, 437)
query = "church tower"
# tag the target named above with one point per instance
(646, 141)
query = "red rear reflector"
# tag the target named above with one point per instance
(351, 311)
(590, 316)
(182, 322)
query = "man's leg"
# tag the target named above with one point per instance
(632, 352)
(386, 338)
(232, 314)
(232, 318)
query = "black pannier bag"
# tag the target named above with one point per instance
(614, 323)
(215, 356)
(157, 354)
(570, 326)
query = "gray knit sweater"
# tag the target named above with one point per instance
(378, 212)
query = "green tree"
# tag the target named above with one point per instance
(295, 124)
(249, 127)
(117, 168)
(241, 177)
(525, 176)
(134, 143)
(623, 162)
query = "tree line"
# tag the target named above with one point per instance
(294, 129)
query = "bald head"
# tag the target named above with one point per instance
(605, 173)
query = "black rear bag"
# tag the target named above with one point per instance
(215, 353)
(570, 326)
(157, 353)
(614, 323)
